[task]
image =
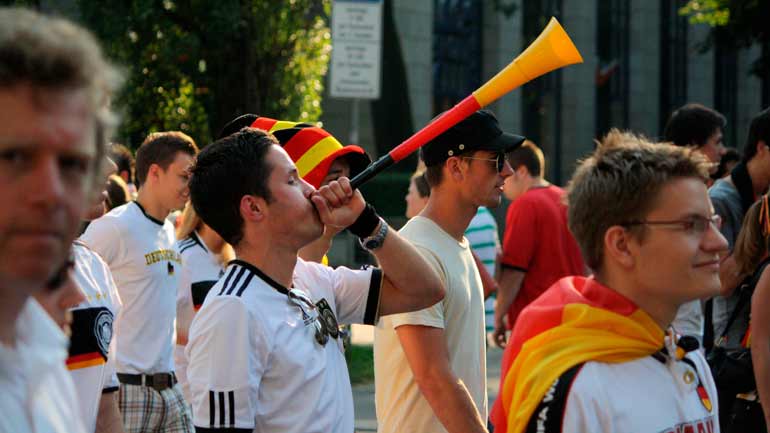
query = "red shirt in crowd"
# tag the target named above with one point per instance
(538, 242)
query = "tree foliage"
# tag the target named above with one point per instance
(739, 23)
(193, 65)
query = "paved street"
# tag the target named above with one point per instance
(363, 395)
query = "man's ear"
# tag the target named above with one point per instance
(618, 246)
(762, 147)
(454, 168)
(253, 208)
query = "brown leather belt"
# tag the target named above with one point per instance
(157, 381)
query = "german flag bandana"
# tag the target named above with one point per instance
(575, 321)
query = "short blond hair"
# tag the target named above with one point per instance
(619, 183)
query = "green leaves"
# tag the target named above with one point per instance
(194, 65)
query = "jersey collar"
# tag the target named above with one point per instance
(274, 284)
(148, 215)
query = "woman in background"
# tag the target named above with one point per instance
(204, 257)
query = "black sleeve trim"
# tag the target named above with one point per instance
(373, 300)
(515, 268)
(222, 430)
(548, 416)
(110, 389)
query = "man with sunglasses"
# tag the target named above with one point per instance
(598, 354)
(430, 365)
(538, 248)
(264, 350)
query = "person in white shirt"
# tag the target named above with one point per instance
(265, 353)
(430, 365)
(597, 354)
(86, 309)
(137, 242)
(54, 82)
(205, 256)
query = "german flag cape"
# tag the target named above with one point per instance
(576, 320)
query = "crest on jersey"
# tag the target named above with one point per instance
(103, 330)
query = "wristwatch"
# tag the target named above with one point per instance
(375, 240)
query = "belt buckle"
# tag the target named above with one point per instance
(161, 381)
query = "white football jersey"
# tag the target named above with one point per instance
(654, 394)
(200, 271)
(255, 362)
(139, 250)
(89, 363)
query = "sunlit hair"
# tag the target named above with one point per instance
(754, 238)
(620, 182)
(54, 54)
(191, 222)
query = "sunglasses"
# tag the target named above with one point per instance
(320, 316)
(499, 161)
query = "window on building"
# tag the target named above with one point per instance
(673, 59)
(541, 98)
(726, 87)
(457, 56)
(612, 75)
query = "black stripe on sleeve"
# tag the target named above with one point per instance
(236, 281)
(244, 285)
(515, 268)
(199, 291)
(373, 300)
(221, 409)
(212, 409)
(549, 413)
(230, 274)
(231, 398)
(110, 389)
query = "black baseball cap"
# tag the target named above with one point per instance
(479, 131)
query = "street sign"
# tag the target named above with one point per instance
(356, 49)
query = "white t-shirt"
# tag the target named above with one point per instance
(200, 271)
(37, 392)
(140, 253)
(92, 370)
(485, 243)
(254, 362)
(400, 405)
(647, 395)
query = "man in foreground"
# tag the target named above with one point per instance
(592, 354)
(264, 350)
(54, 83)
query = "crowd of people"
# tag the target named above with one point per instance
(123, 314)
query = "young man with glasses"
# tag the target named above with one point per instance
(538, 248)
(430, 365)
(597, 354)
(264, 349)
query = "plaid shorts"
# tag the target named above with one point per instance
(146, 410)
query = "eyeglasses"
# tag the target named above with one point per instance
(695, 224)
(499, 161)
(319, 320)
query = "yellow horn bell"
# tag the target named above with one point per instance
(553, 49)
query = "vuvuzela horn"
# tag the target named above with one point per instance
(552, 50)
